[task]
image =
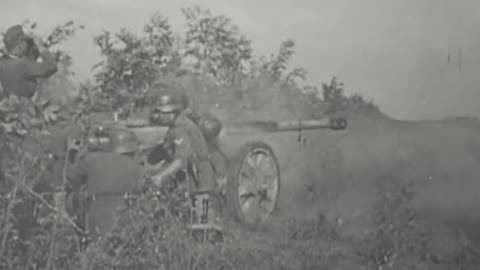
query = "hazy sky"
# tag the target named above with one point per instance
(393, 51)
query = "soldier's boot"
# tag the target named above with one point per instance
(214, 213)
(206, 216)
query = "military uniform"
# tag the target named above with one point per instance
(18, 74)
(187, 143)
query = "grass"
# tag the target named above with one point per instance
(150, 234)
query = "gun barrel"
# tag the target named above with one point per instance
(296, 125)
(303, 124)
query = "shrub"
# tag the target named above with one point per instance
(401, 240)
(215, 63)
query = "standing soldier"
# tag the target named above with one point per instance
(19, 68)
(19, 71)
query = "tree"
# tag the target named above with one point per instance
(215, 46)
(132, 63)
(333, 95)
(280, 62)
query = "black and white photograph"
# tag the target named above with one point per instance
(239, 135)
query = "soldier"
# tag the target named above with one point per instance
(187, 145)
(19, 68)
(191, 108)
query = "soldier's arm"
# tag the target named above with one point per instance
(171, 169)
(77, 175)
(44, 69)
(182, 151)
(191, 107)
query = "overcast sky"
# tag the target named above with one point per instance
(393, 51)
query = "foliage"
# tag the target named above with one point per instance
(214, 46)
(150, 231)
(30, 215)
(151, 234)
(338, 102)
(133, 63)
(334, 96)
(30, 218)
(400, 240)
(211, 50)
(278, 65)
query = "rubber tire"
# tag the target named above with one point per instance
(235, 164)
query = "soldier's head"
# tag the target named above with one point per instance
(17, 42)
(169, 105)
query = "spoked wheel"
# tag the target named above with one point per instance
(254, 183)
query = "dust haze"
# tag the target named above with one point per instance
(415, 60)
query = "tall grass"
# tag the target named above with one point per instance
(150, 232)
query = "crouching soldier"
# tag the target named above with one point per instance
(189, 152)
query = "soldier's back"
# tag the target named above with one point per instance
(194, 133)
(13, 77)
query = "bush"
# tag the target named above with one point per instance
(400, 240)
(215, 63)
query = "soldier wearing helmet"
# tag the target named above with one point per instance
(185, 139)
(187, 145)
(19, 68)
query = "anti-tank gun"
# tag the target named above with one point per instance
(249, 166)
(138, 134)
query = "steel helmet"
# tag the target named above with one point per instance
(170, 101)
(13, 36)
(210, 126)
